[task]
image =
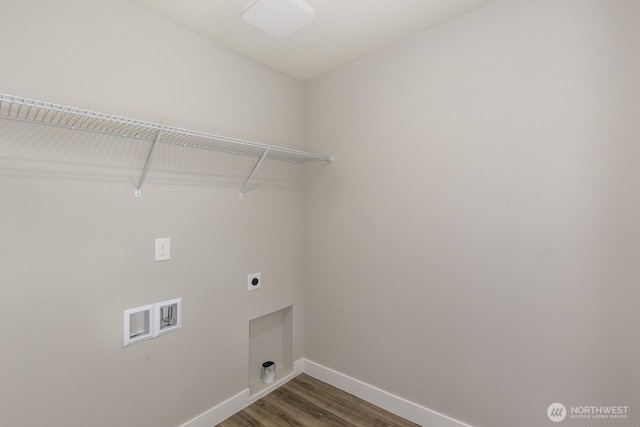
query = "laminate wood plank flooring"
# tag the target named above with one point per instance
(308, 402)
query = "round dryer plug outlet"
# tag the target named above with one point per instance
(254, 281)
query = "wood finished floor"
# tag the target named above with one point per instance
(305, 401)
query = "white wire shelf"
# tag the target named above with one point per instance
(46, 113)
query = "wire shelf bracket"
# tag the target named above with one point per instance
(253, 172)
(148, 163)
(49, 114)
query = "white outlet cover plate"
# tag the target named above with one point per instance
(250, 285)
(163, 249)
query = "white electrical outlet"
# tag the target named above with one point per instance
(163, 249)
(254, 281)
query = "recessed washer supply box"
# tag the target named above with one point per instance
(149, 321)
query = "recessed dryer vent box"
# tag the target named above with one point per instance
(168, 316)
(138, 324)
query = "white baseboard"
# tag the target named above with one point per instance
(220, 412)
(385, 400)
(237, 403)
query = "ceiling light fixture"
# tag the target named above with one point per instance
(278, 18)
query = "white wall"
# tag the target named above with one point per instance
(77, 247)
(474, 246)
